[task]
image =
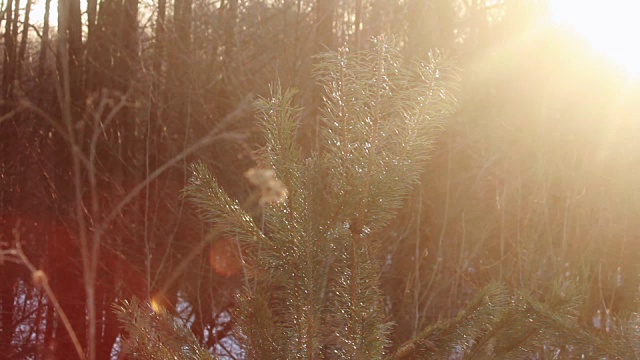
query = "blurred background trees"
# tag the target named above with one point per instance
(104, 104)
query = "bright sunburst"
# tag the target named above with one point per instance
(612, 27)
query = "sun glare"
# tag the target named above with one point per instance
(37, 12)
(611, 27)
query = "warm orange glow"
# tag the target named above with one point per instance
(159, 302)
(611, 27)
(224, 257)
(155, 305)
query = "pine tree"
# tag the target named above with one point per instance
(312, 270)
(312, 253)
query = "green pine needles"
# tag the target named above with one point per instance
(312, 254)
(312, 272)
(157, 336)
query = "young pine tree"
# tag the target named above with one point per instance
(312, 269)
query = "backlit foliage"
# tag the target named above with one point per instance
(313, 266)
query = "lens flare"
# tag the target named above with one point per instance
(224, 257)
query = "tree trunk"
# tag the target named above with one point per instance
(7, 298)
(69, 14)
(229, 32)
(23, 42)
(158, 75)
(358, 25)
(324, 24)
(324, 40)
(48, 351)
(128, 44)
(44, 45)
(91, 46)
(9, 60)
(178, 84)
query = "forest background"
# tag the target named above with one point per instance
(533, 179)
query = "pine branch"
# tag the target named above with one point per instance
(279, 122)
(215, 206)
(475, 321)
(156, 336)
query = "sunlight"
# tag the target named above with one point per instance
(611, 28)
(37, 12)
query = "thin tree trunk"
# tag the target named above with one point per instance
(129, 42)
(324, 39)
(48, 344)
(69, 12)
(358, 24)
(158, 59)
(15, 26)
(7, 298)
(44, 44)
(324, 24)
(91, 47)
(80, 309)
(179, 57)
(8, 64)
(92, 12)
(229, 33)
(23, 42)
